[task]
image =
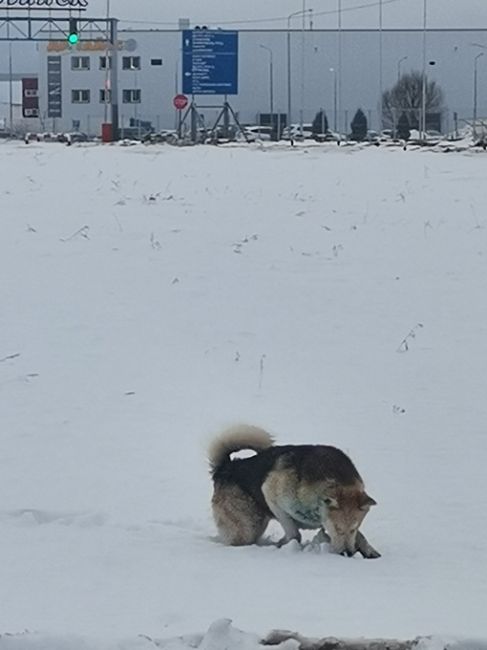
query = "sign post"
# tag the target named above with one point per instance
(180, 102)
(210, 67)
(210, 62)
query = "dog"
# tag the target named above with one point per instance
(302, 486)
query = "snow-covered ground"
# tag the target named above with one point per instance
(150, 297)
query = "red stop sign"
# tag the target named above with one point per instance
(180, 102)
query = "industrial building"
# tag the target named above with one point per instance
(293, 72)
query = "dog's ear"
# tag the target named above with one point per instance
(330, 502)
(366, 502)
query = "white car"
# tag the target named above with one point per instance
(253, 133)
(294, 132)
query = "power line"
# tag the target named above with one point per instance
(355, 7)
(275, 19)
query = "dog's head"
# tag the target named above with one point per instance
(342, 519)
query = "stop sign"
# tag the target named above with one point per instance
(180, 102)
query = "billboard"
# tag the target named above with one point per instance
(80, 5)
(210, 62)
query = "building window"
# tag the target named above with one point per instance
(105, 96)
(105, 62)
(80, 96)
(131, 96)
(131, 63)
(156, 61)
(80, 63)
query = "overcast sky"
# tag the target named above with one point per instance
(396, 13)
(234, 14)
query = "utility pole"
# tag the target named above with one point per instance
(289, 88)
(114, 77)
(10, 92)
(271, 81)
(475, 93)
(381, 70)
(108, 61)
(423, 89)
(303, 67)
(403, 58)
(339, 71)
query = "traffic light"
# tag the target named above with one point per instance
(73, 36)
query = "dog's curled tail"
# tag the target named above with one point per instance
(242, 436)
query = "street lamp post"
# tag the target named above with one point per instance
(10, 92)
(136, 108)
(381, 67)
(303, 67)
(476, 59)
(289, 89)
(339, 82)
(394, 108)
(335, 106)
(108, 59)
(399, 67)
(423, 90)
(271, 81)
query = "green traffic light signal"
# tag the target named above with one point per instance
(73, 36)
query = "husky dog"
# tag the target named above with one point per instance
(302, 486)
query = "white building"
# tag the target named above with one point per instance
(342, 72)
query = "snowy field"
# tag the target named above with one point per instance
(152, 296)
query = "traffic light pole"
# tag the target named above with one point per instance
(38, 28)
(114, 78)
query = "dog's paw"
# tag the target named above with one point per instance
(321, 537)
(290, 543)
(293, 546)
(370, 554)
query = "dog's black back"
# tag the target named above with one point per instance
(311, 463)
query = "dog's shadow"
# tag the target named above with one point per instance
(318, 543)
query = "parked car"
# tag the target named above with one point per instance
(72, 137)
(329, 136)
(166, 135)
(372, 136)
(293, 132)
(255, 132)
(431, 134)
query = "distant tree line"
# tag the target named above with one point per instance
(401, 107)
(358, 126)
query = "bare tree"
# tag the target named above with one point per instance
(406, 97)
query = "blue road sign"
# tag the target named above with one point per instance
(210, 62)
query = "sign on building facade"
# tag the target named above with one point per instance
(30, 97)
(43, 4)
(54, 86)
